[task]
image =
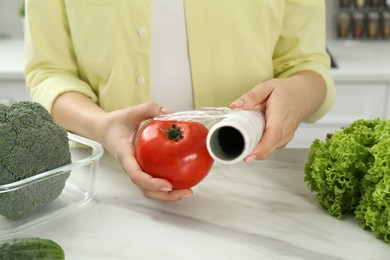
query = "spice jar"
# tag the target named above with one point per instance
(345, 3)
(360, 3)
(375, 3)
(358, 24)
(373, 24)
(386, 24)
(344, 24)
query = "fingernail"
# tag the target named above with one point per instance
(166, 110)
(187, 195)
(250, 158)
(238, 103)
(166, 189)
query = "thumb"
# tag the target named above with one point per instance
(256, 96)
(148, 111)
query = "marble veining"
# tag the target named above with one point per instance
(258, 211)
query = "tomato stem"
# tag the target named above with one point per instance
(174, 133)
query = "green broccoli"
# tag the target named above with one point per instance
(30, 143)
(350, 172)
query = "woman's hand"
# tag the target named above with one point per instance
(115, 131)
(120, 130)
(285, 103)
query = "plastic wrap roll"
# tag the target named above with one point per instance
(234, 137)
(233, 133)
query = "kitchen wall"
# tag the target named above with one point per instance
(332, 7)
(10, 21)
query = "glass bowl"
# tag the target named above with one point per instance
(80, 176)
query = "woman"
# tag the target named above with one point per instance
(103, 66)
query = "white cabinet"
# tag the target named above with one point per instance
(354, 100)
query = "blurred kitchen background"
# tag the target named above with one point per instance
(10, 20)
(358, 39)
(358, 19)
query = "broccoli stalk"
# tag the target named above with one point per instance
(350, 172)
(30, 143)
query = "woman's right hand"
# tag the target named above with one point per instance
(119, 130)
(116, 132)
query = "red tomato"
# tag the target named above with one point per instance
(175, 151)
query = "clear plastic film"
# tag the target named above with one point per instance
(233, 133)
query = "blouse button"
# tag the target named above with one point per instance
(142, 32)
(141, 81)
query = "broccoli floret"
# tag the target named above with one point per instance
(350, 172)
(30, 143)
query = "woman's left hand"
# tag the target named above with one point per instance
(286, 103)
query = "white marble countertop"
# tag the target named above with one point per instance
(259, 211)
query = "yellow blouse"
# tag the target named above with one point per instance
(101, 48)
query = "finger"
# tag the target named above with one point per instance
(171, 196)
(270, 140)
(147, 111)
(142, 179)
(256, 96)
(268, 144)
(145, 181)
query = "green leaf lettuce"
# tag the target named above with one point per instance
(350, 173)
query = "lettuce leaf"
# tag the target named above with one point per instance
(350, 173)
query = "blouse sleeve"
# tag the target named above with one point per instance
(302, 46)
(50, 63)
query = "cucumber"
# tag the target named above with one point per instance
(30, 249)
